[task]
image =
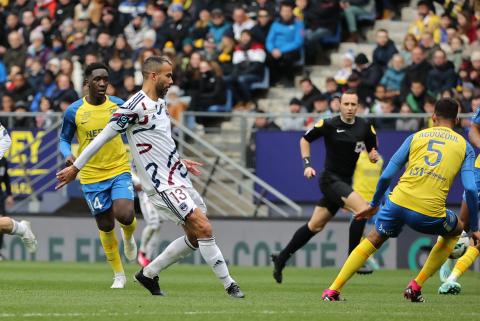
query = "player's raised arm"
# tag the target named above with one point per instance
(5, 141)
(398, 160)
(468, 181)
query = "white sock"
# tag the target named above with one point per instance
(174, 252)
(153, 245)
(18, 228)
(214, 257)
(452, 278)
(146, 234)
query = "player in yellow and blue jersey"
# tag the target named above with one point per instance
(106, 179)
(435, 156)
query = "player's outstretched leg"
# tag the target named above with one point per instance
(175, 251)
(438, 255)
(355, 260)
(198, 225)
(317, 222)
(22, 229)
(355, 233)
(451, 286)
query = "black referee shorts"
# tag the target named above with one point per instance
(334, 187)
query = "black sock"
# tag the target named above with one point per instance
(355, 234)
(1, 241)
(299, 239)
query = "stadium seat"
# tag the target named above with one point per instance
(264, 83)
(300, 62)
(223, 108)
(367, 17)
(334, 39)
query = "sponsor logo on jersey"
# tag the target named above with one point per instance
(122, 121)
(183, 206)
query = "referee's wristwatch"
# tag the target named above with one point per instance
(307, 162)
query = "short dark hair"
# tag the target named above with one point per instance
(350, 92)
(305, 79)
(423, 3)
(153, 62)
(382, 30)
(289, 4)
(430, 100)
(447, 108)
(94, 66)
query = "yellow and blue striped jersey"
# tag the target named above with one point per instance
(87, 121)
(366, 176)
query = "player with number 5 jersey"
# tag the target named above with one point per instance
(163, 174)
(433, 156)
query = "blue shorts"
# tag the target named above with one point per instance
(392, 217)
(99, 196)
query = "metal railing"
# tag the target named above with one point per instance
(228, 187)
(231, 132)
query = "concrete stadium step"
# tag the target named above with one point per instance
(396, 36)
(278, 104)
(356, 48)
(391, 25)
(409, 14)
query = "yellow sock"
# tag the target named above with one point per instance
(464, 262)
(438, 255)
(355, 260)
(110, 247)
(129, 229)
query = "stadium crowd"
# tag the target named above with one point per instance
(220, 49)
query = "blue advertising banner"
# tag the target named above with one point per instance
(279, 163)
(34, 167)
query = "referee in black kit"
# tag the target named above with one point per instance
(346, 136)
(6, 198)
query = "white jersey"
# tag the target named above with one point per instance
(148, 129)
(5, 141)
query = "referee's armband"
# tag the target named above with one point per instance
(307, 162)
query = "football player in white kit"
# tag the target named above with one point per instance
(163, 174)
(150, 241)
(9, 225)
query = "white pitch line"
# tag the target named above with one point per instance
(140, 313)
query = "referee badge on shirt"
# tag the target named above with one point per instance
(319, 123)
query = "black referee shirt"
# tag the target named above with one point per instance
(343, 142)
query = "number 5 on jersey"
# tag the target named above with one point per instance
(432, 148)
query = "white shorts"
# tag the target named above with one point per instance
(177, 203)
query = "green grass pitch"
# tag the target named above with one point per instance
(70, 291)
